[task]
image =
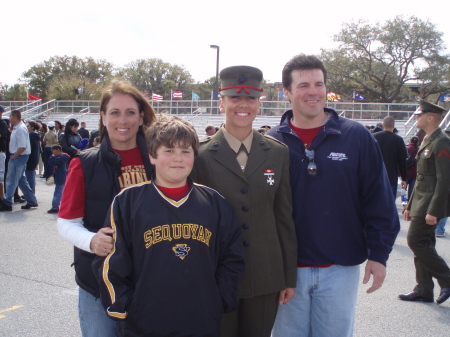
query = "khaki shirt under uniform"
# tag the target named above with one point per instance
(50, 138)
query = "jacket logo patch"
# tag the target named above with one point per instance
(181, 250)
(337, 156)
(270, 174)
(443, 153)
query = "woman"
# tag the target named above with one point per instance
(33, 159)
(70, 139)
(50, 139)
(58, 128)
(411, 169)
(94, 179)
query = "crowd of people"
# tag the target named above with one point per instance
(30, 146)
(231, 234)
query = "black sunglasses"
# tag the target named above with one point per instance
(312, 167)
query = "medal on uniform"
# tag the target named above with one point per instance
(270, 174)
(426, 152)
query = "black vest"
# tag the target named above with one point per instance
(101, 169)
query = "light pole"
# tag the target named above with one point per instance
(217, 69)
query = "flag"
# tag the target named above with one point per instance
(263, 97)
(157, 97)
(1, 87)
(33, 98)
(281, 94)
(358, 96)
(444, 98)
(214, 95)
(177, 95)
(195, 97)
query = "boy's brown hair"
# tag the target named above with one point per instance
(171, 131)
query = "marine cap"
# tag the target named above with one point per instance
(51, 124)
(425, 107)
(2, 109)
(241, 81)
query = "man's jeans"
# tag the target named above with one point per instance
(57, 196)
(324, 304)
(31, 178)
(94, 322)
(16, 177)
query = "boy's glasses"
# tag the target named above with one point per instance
(312, 167)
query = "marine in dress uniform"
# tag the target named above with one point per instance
(252, 172)
(429, 202)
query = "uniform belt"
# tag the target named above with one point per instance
(421, 177)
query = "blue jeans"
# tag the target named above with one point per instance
(324, 304)
(440, 228)
(57, 196)
(94, 322)
(394, 190)
(16, 177)
(31, 178)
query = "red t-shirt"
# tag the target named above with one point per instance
(306, 135)
(72, 202)
(176, 193)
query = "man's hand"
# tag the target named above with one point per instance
(379, 273)
(102, 243)
(406, 215)
(286, 295)
(431, 220)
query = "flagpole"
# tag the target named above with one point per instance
(171, 97)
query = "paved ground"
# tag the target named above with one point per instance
(38, 295)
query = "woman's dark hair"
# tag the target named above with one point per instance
(71, 122)
(35, 126)
(59, 124)
(414, 140)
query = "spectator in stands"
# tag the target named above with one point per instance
(411, 164)
(394, 153)
(58, 128)
(210, 130)
(3, 144)
(20, 149)
(50, 139)
(70, 139)
(59, 161)
(94, 179)
(33, 159)
(82, 130)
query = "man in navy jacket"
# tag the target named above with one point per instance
(343, 207)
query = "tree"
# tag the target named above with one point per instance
(156, 76)
(16, 92)
(75, 88)
(380, 59)
(40, 76)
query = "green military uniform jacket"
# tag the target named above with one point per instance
(431, 194)
(261, 198)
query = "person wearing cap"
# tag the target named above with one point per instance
(429, 202)
(343, 207)
(49, 140)
(252, 172)
(3, 147)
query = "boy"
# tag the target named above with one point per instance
(178, 256)
(59, 163)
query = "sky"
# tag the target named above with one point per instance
(263, 34)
